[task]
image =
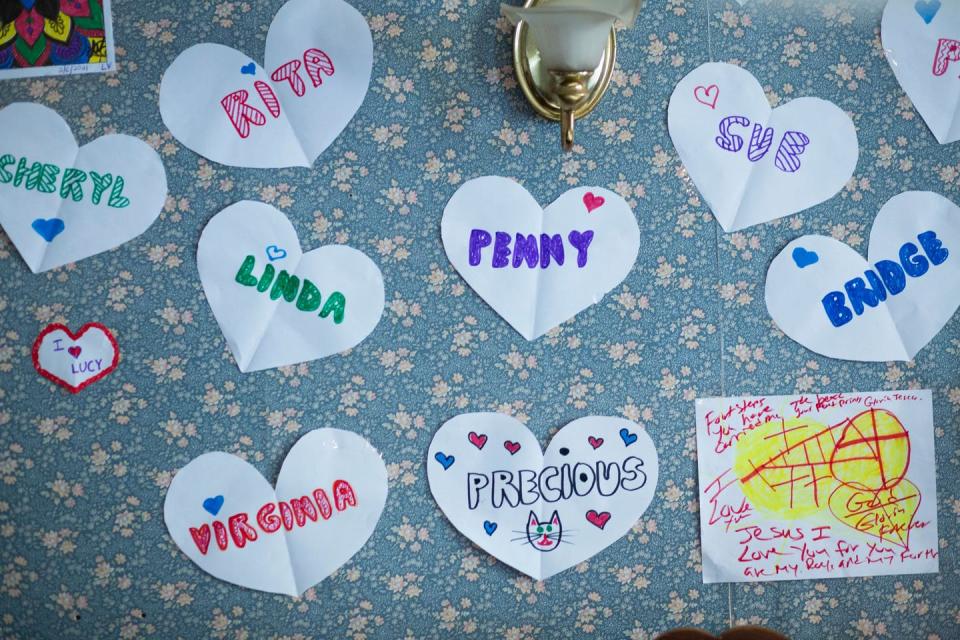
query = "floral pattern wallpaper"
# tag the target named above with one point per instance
(83, 549)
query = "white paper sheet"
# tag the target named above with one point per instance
(817, 486)
(922, 43)
(753, 164)
(824, 295)
(60, 203)
(227, 518)
(222, 104)
(75, 360)
(246, 256)
(542, 513)
(538, 268)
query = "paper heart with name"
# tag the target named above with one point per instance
(326, 504)
(60, 203)
(319, 56)
(75, 360)
(751, 163)
(277, 311)
(887, 307)
(538, 267)
(542, 513)
(922, 42)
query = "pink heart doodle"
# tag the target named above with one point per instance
(713, 90)
(74, 351)
(592, 202)
(595, 442)
(512, 447)
(477, 440)
(599, 520)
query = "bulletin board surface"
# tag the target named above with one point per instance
(83, 548)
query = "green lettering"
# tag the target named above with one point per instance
(5, 161)
(286, 285)
(244, 275)
(335, 304)
(266, 278)
(116, 199)
(309, 299)
(100, 184)
(22, 171)
(46, 180)
(70, 186)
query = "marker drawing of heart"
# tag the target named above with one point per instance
(751, 163)
(319, 56)
(553, 510)
(887, 307)
(228, 520)
(538, 267)
(73, 202)
(922, 44)
(312, 305)
(56, 355)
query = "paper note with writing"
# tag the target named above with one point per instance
(824, 295)
(538, 267)
(277, 305)
(55, 37)
(328, 498)
(922, 41)
(751, 163)
(226, 107)
(60, 202)
(542, 513)
(817, 486)
(75, 360)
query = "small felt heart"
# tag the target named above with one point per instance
(445, 461)
(707, 95)
(595, 442)
(927, 9)
(249, 69)
(627, 437)
(592, 202)
(478, 440)
(275, 253)
(599, 520)
(512, 447)
(213, 505)
(489, 527)
(804, 258)
(48, 229)
(74, 351)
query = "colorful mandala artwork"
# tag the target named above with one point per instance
(45, 37)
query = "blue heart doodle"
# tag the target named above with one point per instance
(276, 253)
(213, 505)
(627, 437)
(28, 4)
(489, 527)
(249, 69)
(804, 258)
(445, 461)
(48, 229)
(927, 9)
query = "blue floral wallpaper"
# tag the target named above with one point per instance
(83, 548)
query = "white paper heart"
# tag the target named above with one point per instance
(542, 513)
(753, 164)
(60, 203)
(227, 518)
(825, 296)
(538, 268)
(75, 360)
(277, 305)
(220, 103)
(922, 43)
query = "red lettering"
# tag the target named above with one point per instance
(317, 61)
(220, 532)
(289, 72)
(323, 503)
(240, 530)
(343, 495)
(269, 98)
(240, 113)
(303, 509)
(201, 537)
(947, 51)
(268, 520)
(287, 516)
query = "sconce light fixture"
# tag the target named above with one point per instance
(564, 52)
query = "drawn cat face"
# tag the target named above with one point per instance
(544, 536)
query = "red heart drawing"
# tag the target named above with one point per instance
(512, 447)
(599, 520)
(595, 442)
(592, 202)
(707, 92)
(73, 351)
(477, 440)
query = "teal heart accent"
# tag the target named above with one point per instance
(927, 9)
(213, 505)
(275, 253)
(804, 258)
(48, 229)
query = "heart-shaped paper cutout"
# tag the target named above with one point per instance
(753, 164)
(60, 203)
(553, 510)
(885, 308)
(922, 43)
(329, 496)
(538, 267)
(885, 514)
(304, 307)
(57, 350)
(319, 56)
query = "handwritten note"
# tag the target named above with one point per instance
(542, 513)
(328, 498)
(538, 267)
(824, 295)
(817, 486)
(922, 41)
(226, 107)
(752, 163)
(75, 360)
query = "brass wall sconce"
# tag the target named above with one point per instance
(564, 53)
